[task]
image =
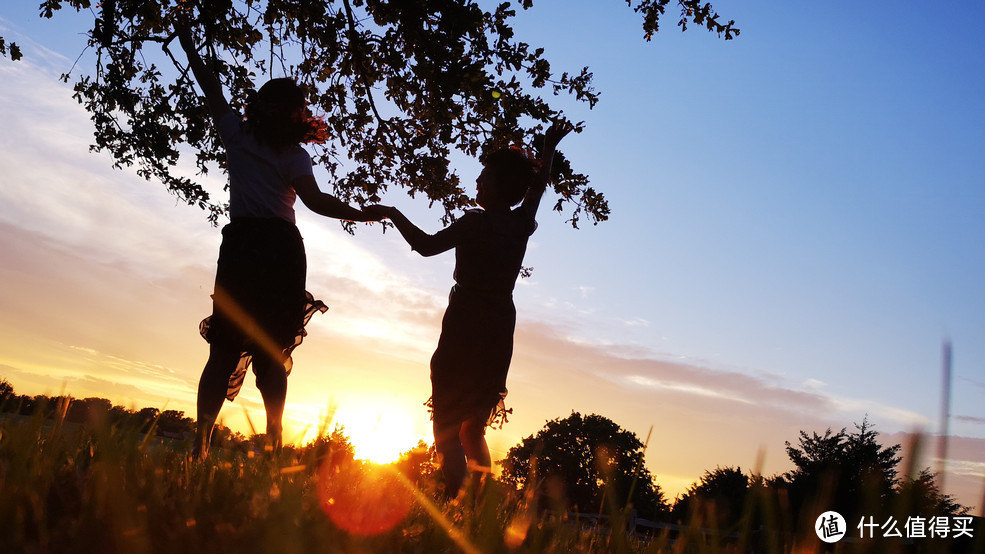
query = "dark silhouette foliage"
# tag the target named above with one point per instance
(94, 412)
(6, 392)
(12, 48)
(718, 499)
(399, 83)
(842, 470)
(921, 495)
(587, 464)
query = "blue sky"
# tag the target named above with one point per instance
(804, 200)
(796, 226)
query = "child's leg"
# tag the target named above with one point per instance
(448, 445)
(473, 437)
(272, 382)
(212, 392)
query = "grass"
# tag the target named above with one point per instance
(100, 488)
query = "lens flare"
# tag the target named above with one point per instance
(363, 498)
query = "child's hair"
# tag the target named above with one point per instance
(277, 115)
(513, 171)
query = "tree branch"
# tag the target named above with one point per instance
(353, 39)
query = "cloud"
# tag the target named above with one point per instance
(681, 387)
(900, 417)
(637, 322)
(967, 468)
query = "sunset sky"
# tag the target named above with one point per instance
(798, 222)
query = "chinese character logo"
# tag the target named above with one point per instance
(830, 527)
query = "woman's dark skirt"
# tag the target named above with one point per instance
(260, 305)
(469, 366)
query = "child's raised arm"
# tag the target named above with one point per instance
(419, 241)
(214, 98)
(557, 131)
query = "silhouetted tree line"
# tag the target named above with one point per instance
(171, 424)
(589, 464)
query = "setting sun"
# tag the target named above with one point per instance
(379, 433)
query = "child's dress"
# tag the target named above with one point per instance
(469, 366)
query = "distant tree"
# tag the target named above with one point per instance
(842, 471)
(78, 411)
(6, 395)
(401, 83)
(119, 416)
(146, 417)
(26, 404)
(101, 405)
(330, 448)
(590, 457)
(226, 438)
(718, 498)
(56, 406)
(174, 423)
(419, 463)
(920, 495)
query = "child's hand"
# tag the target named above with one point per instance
(557, 131)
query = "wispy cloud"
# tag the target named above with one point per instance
(656, 384)
(967, 468)
(637, 322)
(586, 291)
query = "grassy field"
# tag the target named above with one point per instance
(98, 488)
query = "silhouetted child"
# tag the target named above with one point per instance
(469, 366)
(260, 305)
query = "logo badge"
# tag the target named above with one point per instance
(830, 527)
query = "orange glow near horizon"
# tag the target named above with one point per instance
(379, 432)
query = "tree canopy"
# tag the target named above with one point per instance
(400, 83)
(582, 459)
(851, 469)
(719, 496)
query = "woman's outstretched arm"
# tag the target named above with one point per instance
(325, 204)
(204, 75)
(557, 131)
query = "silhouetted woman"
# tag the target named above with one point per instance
(260, 304)
(470, 364)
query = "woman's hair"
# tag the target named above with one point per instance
(513, 171)
(277, 115)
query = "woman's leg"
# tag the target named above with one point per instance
(272, 382)
(212, 389)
